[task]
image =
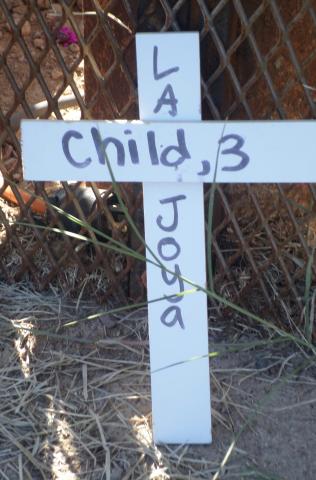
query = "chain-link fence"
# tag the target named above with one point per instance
(76, 59)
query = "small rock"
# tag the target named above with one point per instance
(278, 63)
(56, 74)
(39, 43)
(26, 29)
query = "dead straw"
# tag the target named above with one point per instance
(74, 409)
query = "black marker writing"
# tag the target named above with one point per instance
(177, 316)
(132, 147)
(169, 249)
(101, 146)
(167, 98)
(126, 145)
(181, 148)
(206, 168)
(168, 241)
(174, 202)
(151, 139)
(158, 76)
(170, 281)
(235, 150)
(116, 150)
(65, 144)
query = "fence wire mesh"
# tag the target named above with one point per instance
(76, 60)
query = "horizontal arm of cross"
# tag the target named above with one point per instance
(203, 152)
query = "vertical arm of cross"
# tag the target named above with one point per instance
(169, 90)
(253, 152)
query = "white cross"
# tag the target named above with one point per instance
(173, 160)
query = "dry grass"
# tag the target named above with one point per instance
(76, 403)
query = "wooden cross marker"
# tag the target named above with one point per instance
(173, 160)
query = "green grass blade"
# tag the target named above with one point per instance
(309, 312)
(210, 216)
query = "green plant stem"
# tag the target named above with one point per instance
(210, 216)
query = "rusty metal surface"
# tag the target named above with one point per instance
(258, 61)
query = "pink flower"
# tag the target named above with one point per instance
(66, 36)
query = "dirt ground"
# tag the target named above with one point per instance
(75, 400)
